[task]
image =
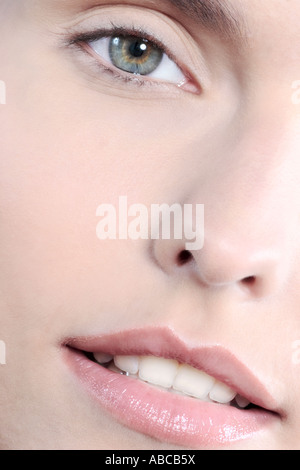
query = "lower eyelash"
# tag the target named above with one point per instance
(124, 77)
(82, 42)
(127, 77)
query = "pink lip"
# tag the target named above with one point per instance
(168, 417)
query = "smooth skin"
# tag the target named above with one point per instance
(74, 135)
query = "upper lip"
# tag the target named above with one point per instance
(215, 360)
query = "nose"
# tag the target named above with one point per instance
(250, 223)
(226, 260)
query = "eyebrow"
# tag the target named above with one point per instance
(218, 16)
(213, 15)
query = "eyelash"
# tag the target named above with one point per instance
(82, 40)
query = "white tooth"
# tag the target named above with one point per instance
(157, 370)
(241, 401)
(193, 382)
(103, 358)
(113, 368)
(127, 363)
(222, 393)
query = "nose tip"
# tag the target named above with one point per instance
(238, 264)
(224, 262)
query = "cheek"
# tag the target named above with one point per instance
(70, 155)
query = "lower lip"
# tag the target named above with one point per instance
(165, 416)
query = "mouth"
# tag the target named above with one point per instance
(153, 383)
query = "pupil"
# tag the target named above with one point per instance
(137, 48)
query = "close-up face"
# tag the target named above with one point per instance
(116, 333)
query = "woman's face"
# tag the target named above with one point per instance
(210, 116)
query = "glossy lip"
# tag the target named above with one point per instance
(162, 415)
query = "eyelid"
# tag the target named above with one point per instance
(86, 39)
(162, 30)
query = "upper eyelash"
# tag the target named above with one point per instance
(119, 30)
(85, 38)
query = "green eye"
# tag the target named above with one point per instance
(134, 55)
(137, 56)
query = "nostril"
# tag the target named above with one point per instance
(184, 257)
(249, 281)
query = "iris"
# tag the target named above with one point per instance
(134, 55)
